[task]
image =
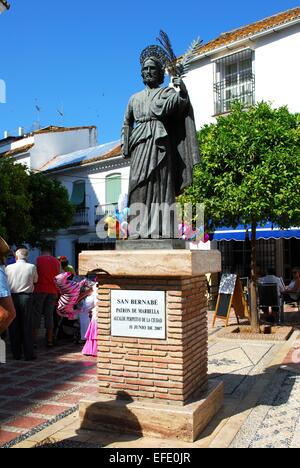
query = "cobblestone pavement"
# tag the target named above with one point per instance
(34, 395)
(275, 422)
(39, 401)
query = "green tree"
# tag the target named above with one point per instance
(31, 205)
(250, 174)
(51, 209)
(15, 202)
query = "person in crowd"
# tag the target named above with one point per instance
(7, 308)
(91, 336)
(11, 259)
(22, 277)
(271, 278)
(46, 293)
(292, 291)
(65, 266)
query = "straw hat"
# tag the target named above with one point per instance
(4, 248)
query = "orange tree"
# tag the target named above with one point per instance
(249, 174)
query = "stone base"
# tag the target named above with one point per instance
(152, 244)
(153, 419)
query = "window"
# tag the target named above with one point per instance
(234, 81)
(78, 194)
(236, 256)
(113, 189)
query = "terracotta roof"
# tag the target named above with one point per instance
(52, 129)
(5, 3)
(250, 30)
(14, 152)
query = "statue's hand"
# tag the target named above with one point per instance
(179, 83)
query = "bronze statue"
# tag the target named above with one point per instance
(159, 136)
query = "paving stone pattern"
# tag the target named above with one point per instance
(34, 395)
(275, 422)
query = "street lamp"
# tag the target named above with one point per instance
(4, 6)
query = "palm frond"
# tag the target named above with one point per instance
(165, 42)
(184, 65)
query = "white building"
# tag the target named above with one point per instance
(257, 62)
(37, 148)
(254, 63)
(94, 175)
(95, 179)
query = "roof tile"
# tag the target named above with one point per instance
(251, 29)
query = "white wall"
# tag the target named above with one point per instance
(24, 159)
(49, 145)
(276, 69)
(200, 83)
(94, 177)
(95, 183)
(65, 246)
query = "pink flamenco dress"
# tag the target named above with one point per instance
(91, 345)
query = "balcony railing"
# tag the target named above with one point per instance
(81, 217)
(102, 211)
(236, 87)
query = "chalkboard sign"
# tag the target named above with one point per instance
(231, 295)
(227, 285)
(224, 304)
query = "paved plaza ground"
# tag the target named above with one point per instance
(39, 400)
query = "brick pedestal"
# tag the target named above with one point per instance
(145, 384)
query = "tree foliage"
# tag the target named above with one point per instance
(31, 205)
(250, 168)
(249, 174)
(51, 209)
(15, 202)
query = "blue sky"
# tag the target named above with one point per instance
(82, 56)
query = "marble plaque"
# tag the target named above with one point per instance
(138, 314)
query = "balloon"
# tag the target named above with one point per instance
(183, 230)
(124, 229)
(193, 234)
(111, 226)
(125, 212)
(122, 202)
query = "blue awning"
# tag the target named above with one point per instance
(268, 231)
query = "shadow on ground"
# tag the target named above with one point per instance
(275, 387)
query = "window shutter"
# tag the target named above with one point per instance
(78, 194)
(113, 189)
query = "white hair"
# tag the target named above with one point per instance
(22, 254)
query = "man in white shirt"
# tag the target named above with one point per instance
(21, 279)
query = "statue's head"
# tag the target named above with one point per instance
(153, 62)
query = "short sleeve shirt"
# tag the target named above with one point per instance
(4, 288)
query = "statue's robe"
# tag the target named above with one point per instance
(163, 149)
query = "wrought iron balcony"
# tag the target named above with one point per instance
(81, 217)
(236, 87)
(102, 211)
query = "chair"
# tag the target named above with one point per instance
(291, 301)
(268, 297)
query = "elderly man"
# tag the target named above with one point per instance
(21, 278)
(7, 309)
